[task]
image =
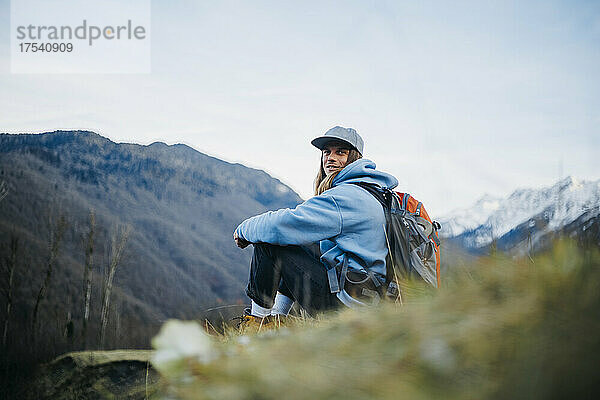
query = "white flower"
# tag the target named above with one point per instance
(178, 341)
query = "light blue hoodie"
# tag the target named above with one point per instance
(345, 219)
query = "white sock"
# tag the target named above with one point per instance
(259, 311)
(282, 306)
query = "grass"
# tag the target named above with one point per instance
(499, 328)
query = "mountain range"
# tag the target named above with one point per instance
(528, 218)
(181, 207)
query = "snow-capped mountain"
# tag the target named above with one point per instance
(529, 213)
(467, 219)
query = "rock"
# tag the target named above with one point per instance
(97, 375)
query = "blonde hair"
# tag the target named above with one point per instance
(324, 182)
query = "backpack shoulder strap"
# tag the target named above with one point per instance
(386, 199)
(405, 201)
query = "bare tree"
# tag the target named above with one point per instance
(56, 236)
(9, 266)
(69, 327)
(119, 239)
(10, 269)
(3, 190)
(494, 239)
(531, 226)
(87, 276)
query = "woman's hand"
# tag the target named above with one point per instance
(240, 242)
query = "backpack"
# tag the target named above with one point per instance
(412, 239)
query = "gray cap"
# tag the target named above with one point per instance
(347, 135)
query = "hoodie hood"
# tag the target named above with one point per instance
(363, 170)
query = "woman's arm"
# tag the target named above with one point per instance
(316, 219)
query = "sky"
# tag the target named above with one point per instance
(456, 99)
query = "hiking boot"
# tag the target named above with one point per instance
(248, 323)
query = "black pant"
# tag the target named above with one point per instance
(296, 271)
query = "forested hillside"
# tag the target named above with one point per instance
(161, 217)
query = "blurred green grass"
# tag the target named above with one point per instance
(498, 328)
